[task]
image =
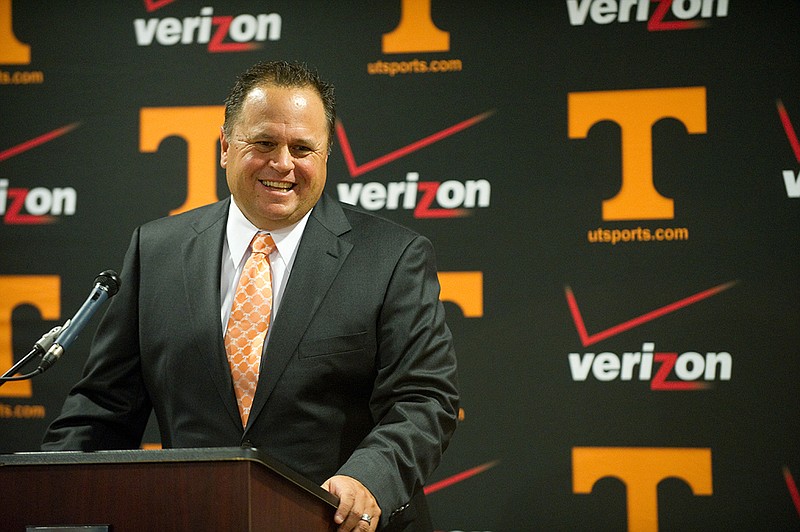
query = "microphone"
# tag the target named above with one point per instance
(105, 286)
(48, 339)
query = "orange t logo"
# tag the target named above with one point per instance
(636, 111)
(12, 52)
(641, 469)
(465, 289)
(199, 127)
(416, 31)
(41, 291)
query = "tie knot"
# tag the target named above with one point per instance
(263, 243)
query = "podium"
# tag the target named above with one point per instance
(231, 489)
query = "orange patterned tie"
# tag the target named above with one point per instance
(249, 321)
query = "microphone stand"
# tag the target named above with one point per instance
(9, 375)
(106, 285)
(39, 348)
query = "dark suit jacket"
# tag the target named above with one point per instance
(358, 377)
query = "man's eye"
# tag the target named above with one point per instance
(301, 149)
(263, 146)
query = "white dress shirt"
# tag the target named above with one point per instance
(236, 250)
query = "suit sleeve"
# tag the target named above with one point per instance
(415, 397)
(109, 407)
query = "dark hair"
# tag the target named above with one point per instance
(281, 74)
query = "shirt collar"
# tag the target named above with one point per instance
(240, 231)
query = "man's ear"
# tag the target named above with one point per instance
(223, 148)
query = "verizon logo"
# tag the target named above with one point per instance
(222, 33)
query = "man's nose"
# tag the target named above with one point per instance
(281, 159)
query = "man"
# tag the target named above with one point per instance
(356, 387)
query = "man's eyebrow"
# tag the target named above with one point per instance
(257, 137)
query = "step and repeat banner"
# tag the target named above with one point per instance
(612, 188)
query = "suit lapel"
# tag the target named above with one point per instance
(201, 255)
(319, 258)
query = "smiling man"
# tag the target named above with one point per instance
(275, 153)
(339, 364)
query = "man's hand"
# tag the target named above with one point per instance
(355, 502)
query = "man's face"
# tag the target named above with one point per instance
(276, 158)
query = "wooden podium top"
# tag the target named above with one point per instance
(205, 454)
(168, 489)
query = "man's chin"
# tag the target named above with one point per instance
(277, 217)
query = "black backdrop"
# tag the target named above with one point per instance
(558, 307)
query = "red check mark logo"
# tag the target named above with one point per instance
(792, 487)
(38, 141)
(455, 479)
(589, 339)
(791, 134)
(155, 5)
(356, 170)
